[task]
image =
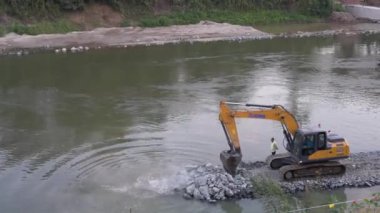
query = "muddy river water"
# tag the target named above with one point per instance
(112, 130)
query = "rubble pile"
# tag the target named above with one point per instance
(212, 183)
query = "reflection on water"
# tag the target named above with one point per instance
(111, 130)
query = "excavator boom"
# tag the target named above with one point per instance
(227, 115)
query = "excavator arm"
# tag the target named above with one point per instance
(270, 112)
(227, 115)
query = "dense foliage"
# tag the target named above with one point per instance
(260, 17)
(45, 8)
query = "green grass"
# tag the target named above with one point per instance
(2, 31)
(338, 7)
(147, 19)
(275, 199)
(44, 27)
(253, 17)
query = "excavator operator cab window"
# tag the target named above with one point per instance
(296, 143)
(321, 141)
(308, 146)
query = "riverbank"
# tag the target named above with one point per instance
(119, 37)
(31, 17)
(142, 114)
(205, 31)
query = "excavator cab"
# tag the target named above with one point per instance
(311, 146)
(306, 143)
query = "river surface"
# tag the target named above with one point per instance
(112, 130)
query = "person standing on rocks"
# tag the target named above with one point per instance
(273, 146)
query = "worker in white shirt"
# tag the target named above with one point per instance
(273, 146)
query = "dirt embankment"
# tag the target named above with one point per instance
(118, 36)
(205, 31)
(95, 15)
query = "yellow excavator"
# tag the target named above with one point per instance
(310, 152)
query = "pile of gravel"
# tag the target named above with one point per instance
(362, 170)
(330, 183)
(211, 183)
(252, 165)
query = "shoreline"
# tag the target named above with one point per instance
(212, 183)
(119, 37)
(205, 31)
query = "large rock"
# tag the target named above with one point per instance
(215, 190)
(229, 192)
(197, 195)
(220, 196)
(224, 179)
(204, 192)
(201, 181)
(190, 189)
(230, 178)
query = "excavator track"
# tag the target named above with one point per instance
(290, 172)
(279, 160)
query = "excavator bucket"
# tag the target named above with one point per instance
(230, 161)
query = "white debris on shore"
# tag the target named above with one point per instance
(72, 49)
(119, 37)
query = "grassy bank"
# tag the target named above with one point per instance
(272, 195)
(42, 27)
(46, 16)
(247, 17)
(251, 17)
(276, 200)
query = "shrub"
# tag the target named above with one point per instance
(70, 4)
(275, 198)
(320, 8)
(29, 8)
(2, 31)
(44, 27)
(51, 8)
